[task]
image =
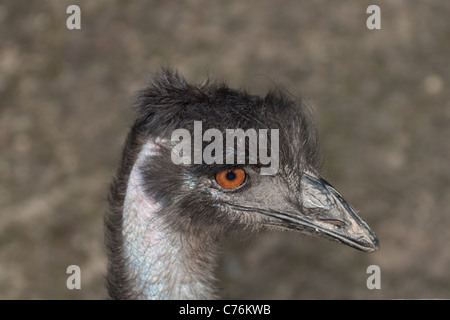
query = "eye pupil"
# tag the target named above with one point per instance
(231, 175)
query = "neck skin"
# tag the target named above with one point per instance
(161, 263)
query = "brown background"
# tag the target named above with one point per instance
(380, 99)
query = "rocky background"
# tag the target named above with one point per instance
(380, 98)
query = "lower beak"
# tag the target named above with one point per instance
(325, 212)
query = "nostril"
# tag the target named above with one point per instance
(310, 211)
(337, 223)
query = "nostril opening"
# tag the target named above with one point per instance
(310, 211)
(337, 223)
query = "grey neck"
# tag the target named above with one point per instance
(159, 263)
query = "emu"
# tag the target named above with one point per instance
(166, 221)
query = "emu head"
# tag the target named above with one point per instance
(207, 200)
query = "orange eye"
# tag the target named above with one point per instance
(230, 179)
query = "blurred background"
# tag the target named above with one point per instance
(380, 99)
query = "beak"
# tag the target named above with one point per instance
(327, 213)
(323, 212)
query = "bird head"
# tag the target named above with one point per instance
(215, 198)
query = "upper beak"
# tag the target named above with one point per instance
(325, 211)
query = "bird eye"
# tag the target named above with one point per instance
(230, 179)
